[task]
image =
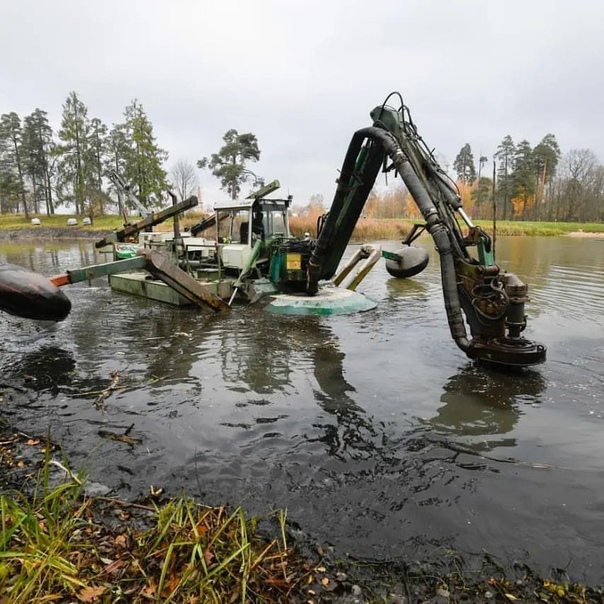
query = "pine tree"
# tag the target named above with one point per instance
(95, 160)
(525, 181)
(73, 152)
(38, 147)
(117, 149)
(547, 156)
(229, 163)
(505, 156)
(464, 165)
(144, 159)
(115, 159)
(8, 194)
(11, 135)
(481, 162)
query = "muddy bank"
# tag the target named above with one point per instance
(585, 234)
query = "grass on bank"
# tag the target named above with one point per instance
(373, 229)
(54, 548)
(540, 229)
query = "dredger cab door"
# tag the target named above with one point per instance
(270, 219)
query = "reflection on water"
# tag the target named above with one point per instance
(366, 427)
(50, 257)
(48, 368)
(352, 433)
(564, 274)
(480, 401)
(253, 357)
(409, 288)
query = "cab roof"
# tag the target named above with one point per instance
(246, 204)
(258, 196)
(234, 204)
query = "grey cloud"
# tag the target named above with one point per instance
(304, 75)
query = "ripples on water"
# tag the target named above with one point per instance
(373, 429)
(566, 276)
(577, 291)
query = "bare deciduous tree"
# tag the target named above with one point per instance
(183, 176)
(578, 170)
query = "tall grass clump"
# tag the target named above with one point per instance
(540, 229)
(37, 541)
(366, 229)
(54, 548)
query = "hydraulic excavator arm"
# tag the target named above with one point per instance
(475, 291)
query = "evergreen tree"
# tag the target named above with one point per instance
(505, 157)
(7, 193)
(115, 159)
(9, 189)
(464, 165)
(228, 165)
(38, 147)
(144, 159)
(11, 137)
(74, 169)
(524, 179)
(95, 160)
(547, 156)
(481, 162)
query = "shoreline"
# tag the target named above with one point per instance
(586, 235)
(82, 233)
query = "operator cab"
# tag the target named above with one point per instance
(241, 224)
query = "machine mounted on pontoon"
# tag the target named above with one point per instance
(253, 255)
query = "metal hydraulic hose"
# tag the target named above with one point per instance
(435, 227)
(356, 180)
(443, 245)
(388, 145)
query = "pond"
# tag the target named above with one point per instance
(373, 430)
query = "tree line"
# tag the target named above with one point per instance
(532, 183)
(42, 170)
(519, 182)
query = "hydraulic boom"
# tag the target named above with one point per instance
(254, 247)
(492, 300)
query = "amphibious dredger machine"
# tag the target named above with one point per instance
(252, 255)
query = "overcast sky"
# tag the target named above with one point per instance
(303, 75)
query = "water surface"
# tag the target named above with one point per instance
(374, 430)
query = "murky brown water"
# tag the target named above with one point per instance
(373, 430)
